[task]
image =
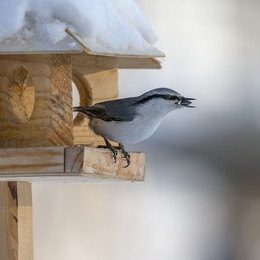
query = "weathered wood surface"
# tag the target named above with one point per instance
(31, 160)
(75, 164)
(16, 221)
(35, 100)
(98, 163)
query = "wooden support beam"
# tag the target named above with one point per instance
(16, 221)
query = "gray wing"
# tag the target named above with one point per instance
(114, 110)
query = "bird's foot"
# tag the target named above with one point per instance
(111, 148)
(126, 155)
(114, 149)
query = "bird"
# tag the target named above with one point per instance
(131, 120)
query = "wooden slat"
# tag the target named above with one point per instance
(31, 160)
(16, 221)
(98, 163)
(140, 63)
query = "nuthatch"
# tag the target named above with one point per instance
(131, 120)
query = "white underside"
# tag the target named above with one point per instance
(142, 127)
(125, 132)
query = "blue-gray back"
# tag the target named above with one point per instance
(123, 109)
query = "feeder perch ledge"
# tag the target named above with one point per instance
(68, 164)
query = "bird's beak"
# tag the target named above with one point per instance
(186, 102)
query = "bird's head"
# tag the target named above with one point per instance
(165, 99)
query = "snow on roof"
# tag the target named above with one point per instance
(100, 27)
(99, 48)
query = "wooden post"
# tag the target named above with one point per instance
(16, 229)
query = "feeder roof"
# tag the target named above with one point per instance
(98, 48)
(73, 43)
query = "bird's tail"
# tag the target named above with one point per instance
(80, 109)
(91, 111)
(83, 110)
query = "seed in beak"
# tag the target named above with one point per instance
(186, 101)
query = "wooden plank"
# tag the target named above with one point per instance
(140, 63)
(16, 221)
(31, 160)
(77, 164)
(98, 163)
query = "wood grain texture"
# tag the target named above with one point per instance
(31, 160)
(16, 221)
(98, 163)
(46, 81)
(36, 130)
(61, 99)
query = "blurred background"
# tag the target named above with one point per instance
(201, 197)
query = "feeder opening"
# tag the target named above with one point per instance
(82, 95)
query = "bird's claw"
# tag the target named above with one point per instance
(114, 151)
(111, 148)
(126, 155)
(114, 154)
(127, 162)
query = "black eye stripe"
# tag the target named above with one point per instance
(167, 97)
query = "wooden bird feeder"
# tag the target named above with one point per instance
(39, 140)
